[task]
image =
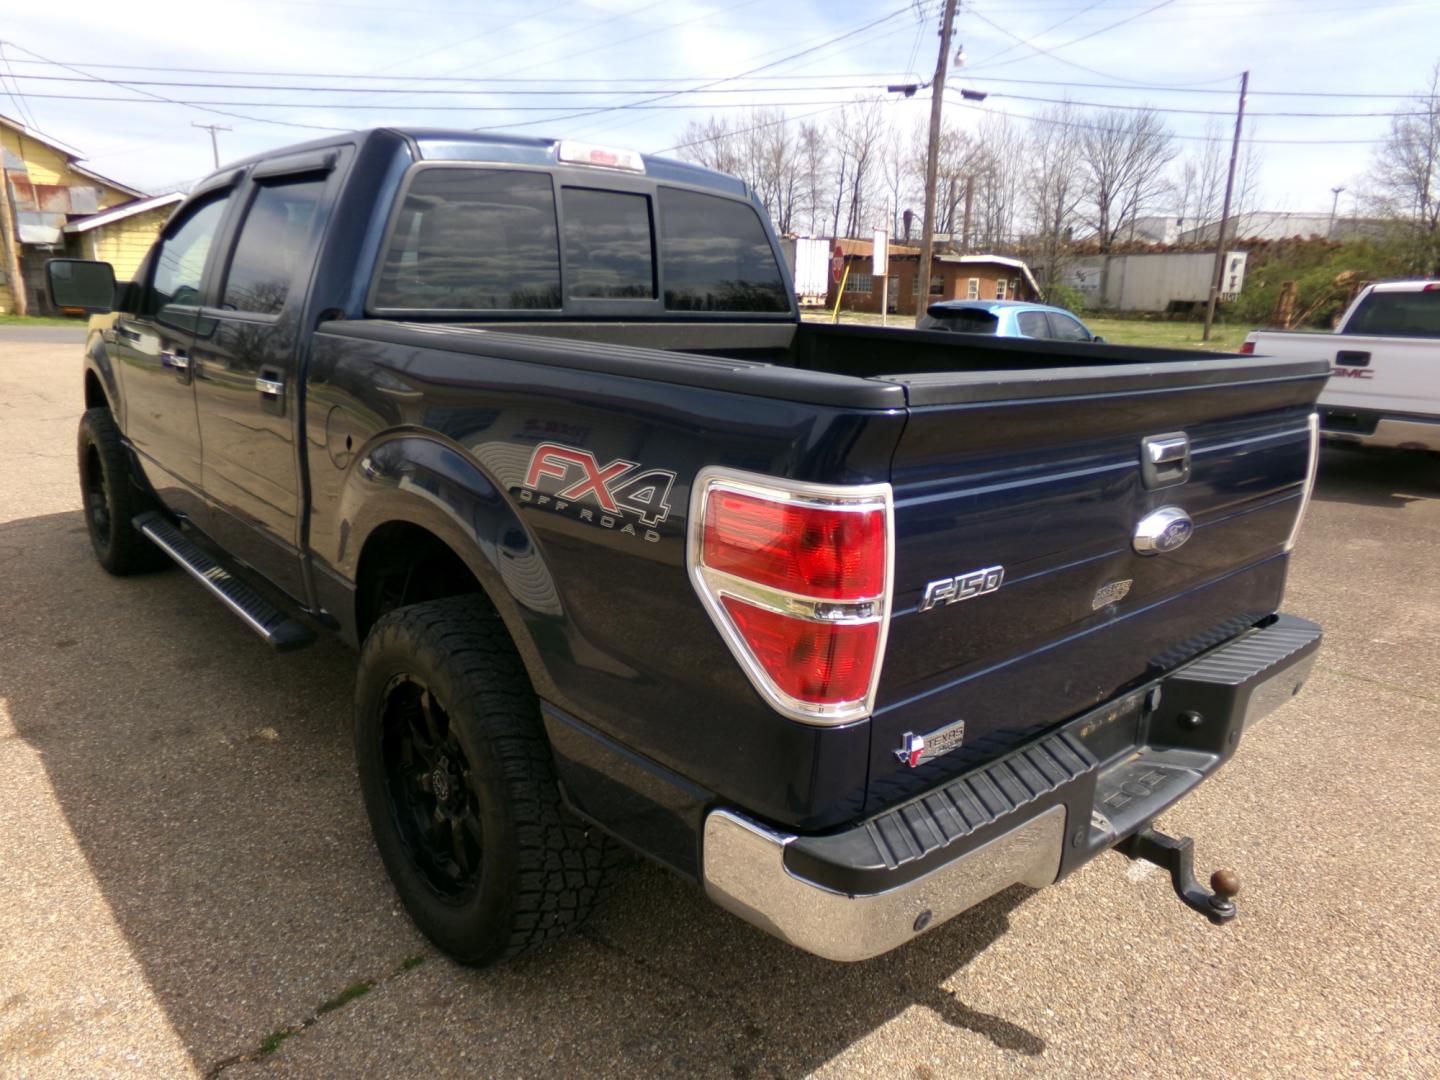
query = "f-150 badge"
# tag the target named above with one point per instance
(915, 750)
(952, 590)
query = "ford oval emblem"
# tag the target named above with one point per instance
(1164, 530)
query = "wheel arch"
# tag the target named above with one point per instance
(420, 506)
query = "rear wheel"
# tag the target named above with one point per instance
(112, 498)
(459, 785)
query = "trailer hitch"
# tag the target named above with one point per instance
(1177, 854)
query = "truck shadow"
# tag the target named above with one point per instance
(209, 786)
(1387, 479)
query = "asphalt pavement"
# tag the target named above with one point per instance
(188, 886)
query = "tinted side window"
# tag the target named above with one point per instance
(608, 251)
(1064, 328)
(473, 240)
(180, 260)
(714, 256)
(273, 242)
(1032, 324)
(1403, 314)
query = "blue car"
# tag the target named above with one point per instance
(1005, 318)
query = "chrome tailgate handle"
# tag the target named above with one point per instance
(1165, 459)
(270, 387)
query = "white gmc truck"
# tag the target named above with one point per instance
(1384, 387)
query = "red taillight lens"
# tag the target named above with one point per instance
(812, 661)
(831, 554)
(797, 579)
(1248, 348)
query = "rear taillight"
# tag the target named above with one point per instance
(797, 579)
(1248, 348)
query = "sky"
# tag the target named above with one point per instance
(580, 59)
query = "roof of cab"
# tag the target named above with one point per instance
(444, 144)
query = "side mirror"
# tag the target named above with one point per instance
(1097, 340)
(80, 283)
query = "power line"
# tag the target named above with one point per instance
(420, 78)
(161, 97)
(1185, 138)
(1054, 26)
(1081, 67)
(747, 130)
(731, 78)
(1201, 112)
(436, 108)
(1129, 88)
(371, 90)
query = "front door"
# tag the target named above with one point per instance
(153, 346)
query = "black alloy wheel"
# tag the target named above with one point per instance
(430, 784)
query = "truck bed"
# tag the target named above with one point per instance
(1025, 454)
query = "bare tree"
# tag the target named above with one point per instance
(1054, 185)
(1405, 176)
(859, 132)
(814, 176)
(1124, 155)
(999, 176)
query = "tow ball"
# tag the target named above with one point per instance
(1177, 854)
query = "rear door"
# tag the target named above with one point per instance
(1022, 596)
(246, 365)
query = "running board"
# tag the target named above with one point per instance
(280, 632)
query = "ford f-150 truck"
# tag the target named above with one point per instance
(852, 627)
(1384, 388)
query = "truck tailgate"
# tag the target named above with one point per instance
(1039, 473)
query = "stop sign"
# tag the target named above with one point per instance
(837, 264)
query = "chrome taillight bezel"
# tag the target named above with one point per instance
(1312, 468)
(713, 585)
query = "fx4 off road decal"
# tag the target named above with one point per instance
(573, 481)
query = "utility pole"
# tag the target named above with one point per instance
(12, 243)
(1334, 206)
(932, 155)
(1217, 275)
(214, 142)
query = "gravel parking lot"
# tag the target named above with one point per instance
(187, 882)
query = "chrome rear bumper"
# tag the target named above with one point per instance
(745, 874)
(1027, 818)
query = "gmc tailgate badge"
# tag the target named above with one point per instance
(918, 749)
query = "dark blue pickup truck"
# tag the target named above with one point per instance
(852, 627)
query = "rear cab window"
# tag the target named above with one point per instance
(1398, 314)
(477, 239)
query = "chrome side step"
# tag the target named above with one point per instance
(280, 632)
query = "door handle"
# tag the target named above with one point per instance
(269, 387)
(179, 359)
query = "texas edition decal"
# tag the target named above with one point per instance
(573, 481)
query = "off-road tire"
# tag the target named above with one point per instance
(541, 870)
(112, 498)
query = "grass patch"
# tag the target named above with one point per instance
(410, 963)
(40, 320)
(1172, 335)
(357, 989)
(271, 1042)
